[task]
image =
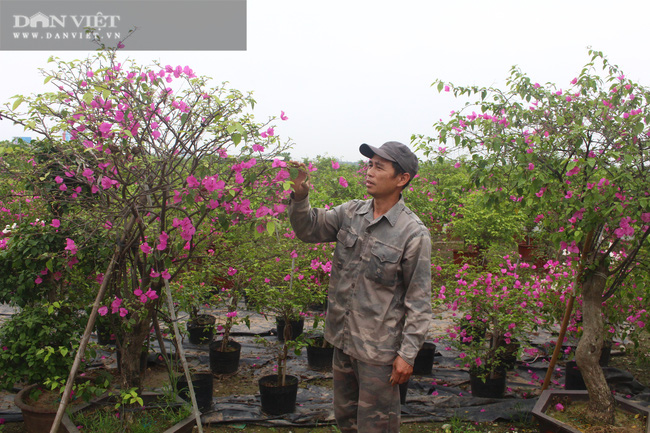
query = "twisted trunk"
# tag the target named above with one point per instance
(601, 401)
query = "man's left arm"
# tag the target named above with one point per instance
(416, 269)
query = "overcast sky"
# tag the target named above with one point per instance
(348, 72)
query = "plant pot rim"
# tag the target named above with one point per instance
(544, 401)
(290, 379)
(216, 344)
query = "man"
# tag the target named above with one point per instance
(379, 307)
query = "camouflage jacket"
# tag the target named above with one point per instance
(379, 296)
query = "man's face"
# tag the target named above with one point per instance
(381, 179)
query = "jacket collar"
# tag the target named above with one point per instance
(392, 215)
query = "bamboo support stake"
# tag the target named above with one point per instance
(84, 342)
(567, 312)
(181, 352)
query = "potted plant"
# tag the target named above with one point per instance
(572, 154)
(507, 301)
(283, 286)
(319, 351)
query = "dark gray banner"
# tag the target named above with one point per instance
(52, 25)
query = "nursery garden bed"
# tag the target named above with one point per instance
(434, 402)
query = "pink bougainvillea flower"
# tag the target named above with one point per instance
(343, 182)
(55, 223)
(151, 294)
(70, 246)
(258, 148)
(281, 176)
(283, 116)
(569, 194)
(231, 271)
(278, 163)
(103, 311)
(166, 275)
(146, 248)
(123, 312)
(154, 274)
(38, 280)
(531, 166)
(162, 241)
(335, 165)
(231, 314)
(559, 407)
(447, 89)
(115, 305)
(192, 182)
(457, 165)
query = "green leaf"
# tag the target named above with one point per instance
(17, 103)
(440, 86)
(270, 227)
(88, 97)
(47, 79)
(236, 138)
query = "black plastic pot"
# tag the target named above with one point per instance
(403, 389)
(573, 377)
(424, 360)
(295, 330)
(277, 400)
(224, 362)
(494, 387)
(508, 355)
(202, 384)
(201, 329)
(320, 358)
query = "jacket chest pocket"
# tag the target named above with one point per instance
(345, 247)
(383, 266)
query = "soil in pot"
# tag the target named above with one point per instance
(277, 400)
(319, 355)
(295, 329)
(203, 386)
(201, 329)
(424, 360)
(224, 362)
(156, 416)
(561, 411)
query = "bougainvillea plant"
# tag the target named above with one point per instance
(577, 157)
(155, 158)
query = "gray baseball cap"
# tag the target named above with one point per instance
(393, 151)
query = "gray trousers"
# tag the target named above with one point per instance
(364, 400)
